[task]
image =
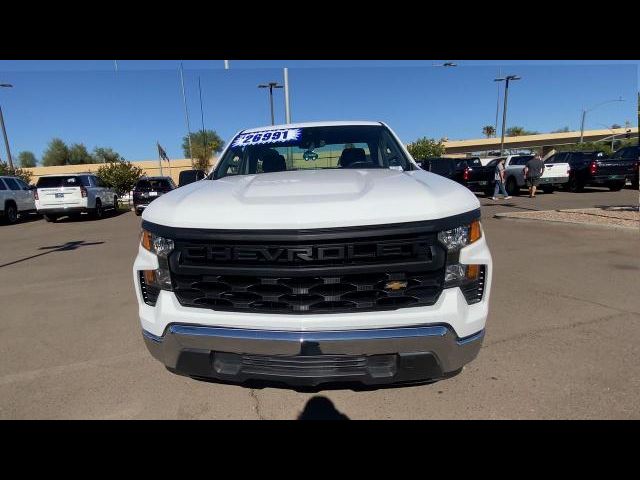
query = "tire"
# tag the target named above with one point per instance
(11, 213)
(50, 218)
(616, 186)
(138, 212)
(512, 186)
(574, 185)
(548, 189)
(114, 207)
(98, 212)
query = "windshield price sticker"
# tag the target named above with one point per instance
(267, 136)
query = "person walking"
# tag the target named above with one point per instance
(499, 181)
(533, 170)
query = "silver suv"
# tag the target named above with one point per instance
(72, 194)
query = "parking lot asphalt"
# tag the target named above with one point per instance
(562, 341)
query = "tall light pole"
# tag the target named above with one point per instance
(587, 110)
(497, 101)
(186, 114)
(287, 106)
(271, 86)
(4, 130)
(506, 79)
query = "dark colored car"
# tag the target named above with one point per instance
(595, 169)
(629, 154)
(189, 176)
(467, 171)
(147, 189)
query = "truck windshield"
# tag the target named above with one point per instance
(322, 147)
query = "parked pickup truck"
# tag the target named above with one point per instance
(594, 169)
(553, 176)
(314, 252)
(466, 171)
(629, 154)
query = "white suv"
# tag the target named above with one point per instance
(73, 194)
(16, 198)
(314, 252)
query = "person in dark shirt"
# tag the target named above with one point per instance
(532, 173)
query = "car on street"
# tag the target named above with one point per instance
(72, 195)
(466, 171)
(594, 168)
(314, 252)
(148, 189)
(16, 199)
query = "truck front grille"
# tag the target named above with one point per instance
(309, 294)
(309, 272)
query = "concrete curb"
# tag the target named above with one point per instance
(512, 216)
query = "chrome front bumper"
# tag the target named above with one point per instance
(384, 355)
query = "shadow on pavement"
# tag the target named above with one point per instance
(321, 408)
(55, 248)
(85, 217)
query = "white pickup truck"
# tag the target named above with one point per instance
(554, 175)
(314, 252)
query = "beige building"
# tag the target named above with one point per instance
(150, 168)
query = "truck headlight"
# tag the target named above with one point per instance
(470, 278)
(460, 237)
(161, 247)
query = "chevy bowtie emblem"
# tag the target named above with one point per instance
(395, 285)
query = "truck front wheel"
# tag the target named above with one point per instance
(512, 186)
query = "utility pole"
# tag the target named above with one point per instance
(186, 114)
(4, 130)
(587, 110)
(287, 106)
(271, 86)
(204, 132)
(506, 79)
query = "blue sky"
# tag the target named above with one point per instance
(129, 110)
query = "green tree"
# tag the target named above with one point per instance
(79, 155)
(488, 131)
(586, 147)
(57, 153)
(204, 143)
(27, 159)
(15, 172)
(120, 175)
(426, 147)
(105, 155)
(616, 125)
(561, 130)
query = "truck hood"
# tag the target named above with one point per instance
(302, 199)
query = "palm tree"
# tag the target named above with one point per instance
(515, 131)
(488, 131)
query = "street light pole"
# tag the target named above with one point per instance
(186, 114)
(287, 106)
(4, 130)
(271, 86)
(506, 79)
(585, 111)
